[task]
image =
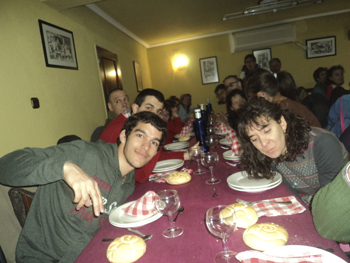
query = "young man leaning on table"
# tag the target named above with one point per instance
(147, 100)
(58, 229)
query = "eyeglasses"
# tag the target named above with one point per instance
(249, 61)
(231, 84)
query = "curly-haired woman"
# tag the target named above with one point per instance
(307, 158)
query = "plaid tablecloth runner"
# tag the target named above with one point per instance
(272, 209)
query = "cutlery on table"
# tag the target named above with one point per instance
(164, 176)
(252, 203)
(233, 164)
(226, 148)
(180, 210)
(144, 237)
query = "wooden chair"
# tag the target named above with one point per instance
(21, 200)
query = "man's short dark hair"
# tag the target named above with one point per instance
(219, 87)
(275, 60)
(231, 76)
(145, 117)
(264, 81)
(317, 73)
(249, 56)
(111, 92)
(148, 92)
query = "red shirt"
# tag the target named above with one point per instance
(174, 127)
(110, 135)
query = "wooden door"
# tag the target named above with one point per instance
(109, 70)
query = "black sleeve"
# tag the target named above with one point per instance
(328, 154)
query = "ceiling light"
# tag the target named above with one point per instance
(266, 6)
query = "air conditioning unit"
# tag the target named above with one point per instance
(262, 38)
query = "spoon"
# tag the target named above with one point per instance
(180, 210)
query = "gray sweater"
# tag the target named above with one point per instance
(54, 231)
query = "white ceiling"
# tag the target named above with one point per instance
(160, 22)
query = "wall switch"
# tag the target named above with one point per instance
(35, 103)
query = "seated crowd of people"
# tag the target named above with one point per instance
(279, 129)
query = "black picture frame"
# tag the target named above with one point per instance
(58, 46)
(321, 47)
(263, 56)
(209, 70)
(138, 76)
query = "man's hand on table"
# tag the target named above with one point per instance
(187, 153)
(84, 187)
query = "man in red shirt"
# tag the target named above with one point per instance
(147, 100)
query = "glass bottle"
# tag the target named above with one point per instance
(200, 130)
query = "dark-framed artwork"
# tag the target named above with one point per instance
(263, 56)
(138, 76)
(209, 70)
(321, 47)
(58, 45)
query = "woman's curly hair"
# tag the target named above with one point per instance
(253, 161)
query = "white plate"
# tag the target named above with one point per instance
(177, 136)
(176, 146)
(228, 156)
(284, 251)
(225, 142)
(168, 165)
(241, 180)
(255, 190)
(220, 133)
(120, 219)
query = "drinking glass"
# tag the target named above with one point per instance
(195, 155)
(210, 160)
(210, 129)
(168, 202)
(222, 226)
(211, 140)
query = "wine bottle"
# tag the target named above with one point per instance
(200, 130)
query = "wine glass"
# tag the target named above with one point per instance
(209, 160)
(168, 202)
(210, 129)
(211, 140)
(195, 155)
(222, 225)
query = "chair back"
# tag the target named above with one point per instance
(21, 200)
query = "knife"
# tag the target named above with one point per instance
(158, 177)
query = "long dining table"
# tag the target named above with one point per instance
(196, 244)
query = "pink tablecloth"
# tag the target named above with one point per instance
(197, 244)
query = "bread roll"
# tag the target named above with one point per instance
(126, 249)
(245, 215)
(184, 138)
(265, 236)
(178, 178)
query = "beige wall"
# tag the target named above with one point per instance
(293, 59)
(71, 101)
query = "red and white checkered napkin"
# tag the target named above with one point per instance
(221, 127)
(186, 130)
(272, 209)
(252, 256)
(142, 206)
(235, 146)
(163, 180)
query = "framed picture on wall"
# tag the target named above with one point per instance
(263, 56)
(58, 45)
(138, 76)
(209, 70)
(321, 47)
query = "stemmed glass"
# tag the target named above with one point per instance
(210, 160)
(195, 154)
(211, 140)
(222, 225)
(168, 202)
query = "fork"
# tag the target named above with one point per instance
(144, 237)
(252, 203)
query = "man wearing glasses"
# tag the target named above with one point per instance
(231, 83)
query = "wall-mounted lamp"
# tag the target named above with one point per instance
(301, 45)
(180, 62)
